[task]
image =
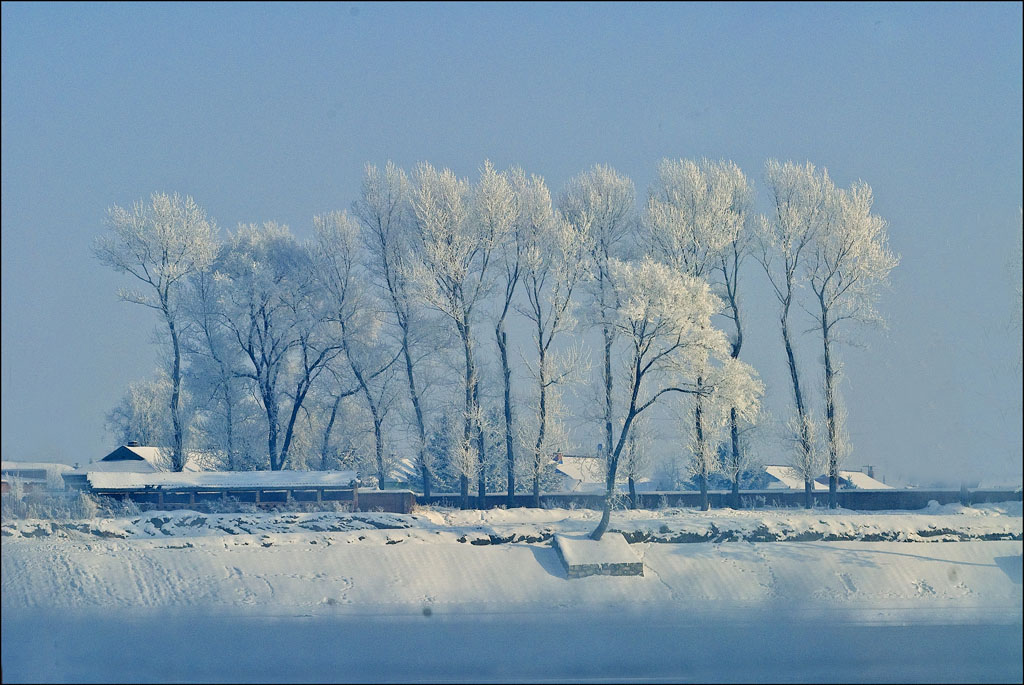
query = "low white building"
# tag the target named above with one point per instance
(262, 488)
(856, 480)
(787, 478)
(134, 458)
(585, 474)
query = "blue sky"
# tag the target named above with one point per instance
(269, 111)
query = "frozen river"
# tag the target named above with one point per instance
(558, 645)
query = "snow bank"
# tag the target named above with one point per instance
(945, 523)
(185, 559)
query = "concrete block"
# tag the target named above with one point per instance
(609, 556)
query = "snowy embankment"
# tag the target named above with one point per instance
(375, 596)
(291, 563)
(938, 523)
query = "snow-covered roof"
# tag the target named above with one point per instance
(106, 480)
(788, 478)
(154, 455)
(142, 459)
(122, 466)
(583, 469)
(863, 481)
(405, 469)
(159, 457)
(585, 475)
(34, 466)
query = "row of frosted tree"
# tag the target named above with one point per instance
(387, 332)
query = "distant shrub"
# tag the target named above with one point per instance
(756, 502)
(64, 506)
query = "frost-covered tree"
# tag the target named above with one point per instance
(663, 321)
(350, 306)
(141, 414)
(161, 243)
(498, 199)
(800, 439)
(330, 412)
(273, 311)
(847, 267)
(223, 414)
(738, 226)
(452, 270)
(800, 197)
(735, 397)
(384, 210)
(637, 460)
(600, 205)
(697, 224)
(441, 437)
(554, 262)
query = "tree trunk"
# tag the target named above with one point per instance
(606, 515)
(425, 477)
(177, 454)
(735, 353)
(737, 461)
(272, 436)
(506, 374)
(632, 493)
(289, 433)
(230, 427)
(613, 465)
(808, 497)
(830, 415)
(833, 455)
(420, 426)
(542, 420)
(805, 438)
(326, 443)
(467, 427)
(702, 473)
(481, 448)
(607, 390)
(378, 440)
(606, 509)
(536, 487)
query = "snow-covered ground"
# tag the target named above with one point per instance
(453, 595)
